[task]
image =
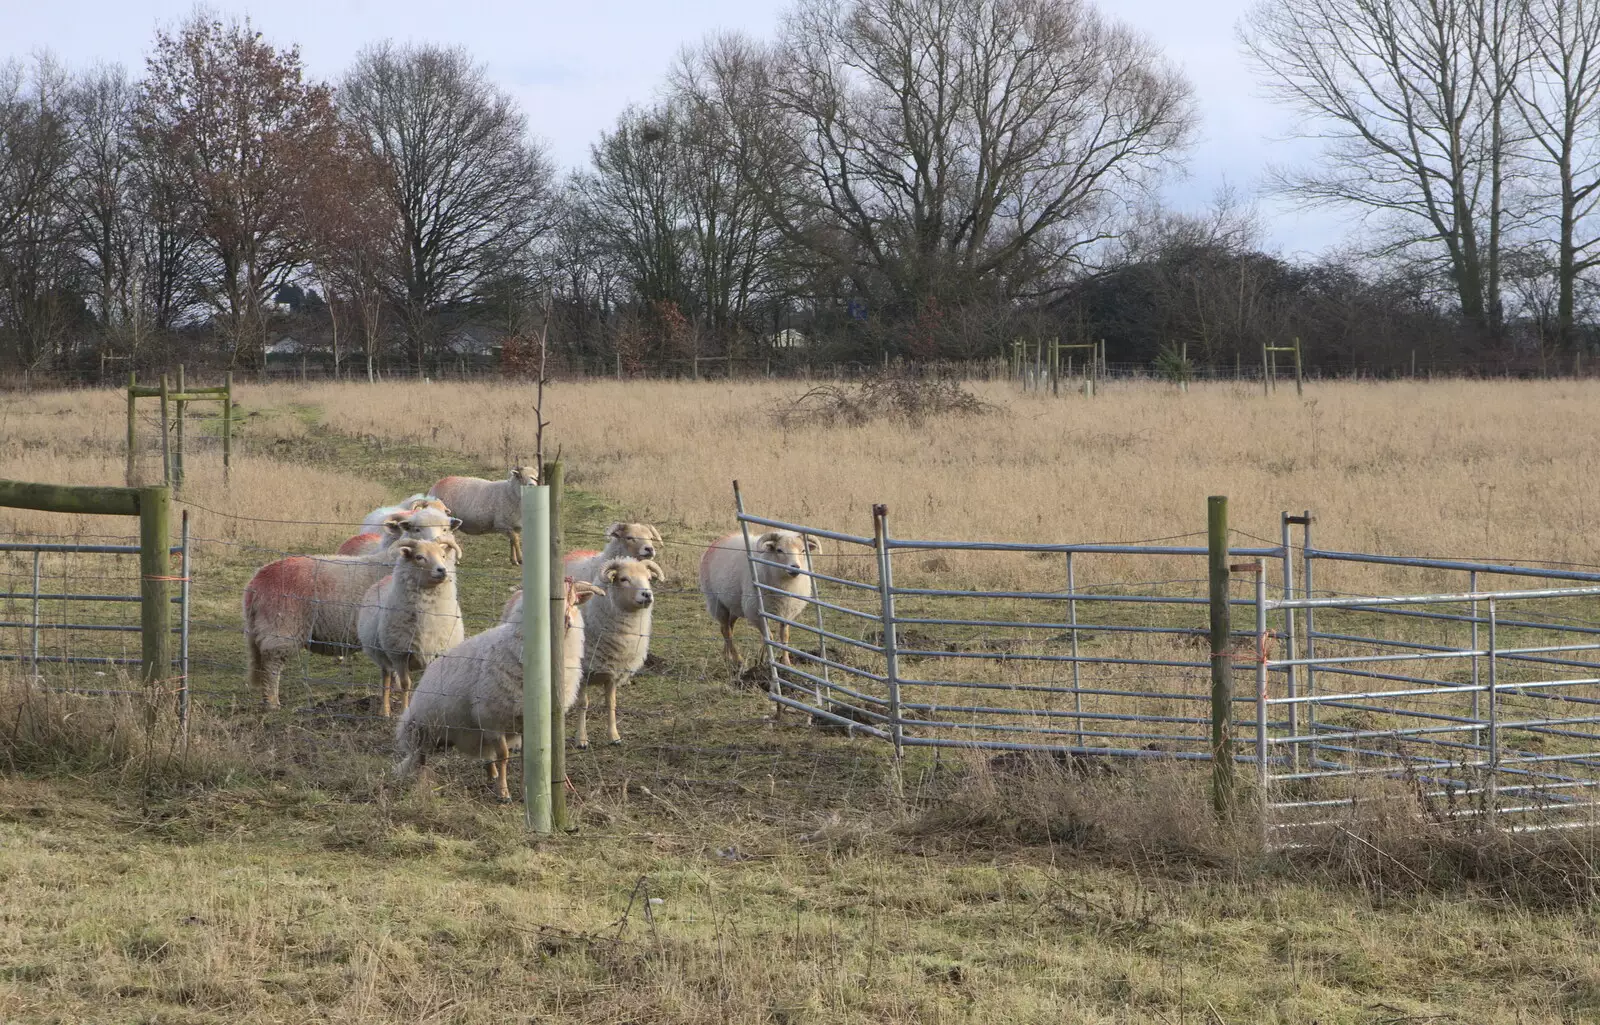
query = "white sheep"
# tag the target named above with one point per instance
(623, 541)
(470, 698)
(412, 616)
(489, 506)
(424, 523)
(618, 635)
(306, 601)
(374, 522)
(731, 595)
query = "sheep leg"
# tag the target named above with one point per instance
(503, 757)
(611, 708)
(583, 719)
(403, 681)
(516, 547)
(387, 678)
(783, 638)
(728, 650)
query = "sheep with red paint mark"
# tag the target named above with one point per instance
(489, 506)
(306, 602)
(425, 523)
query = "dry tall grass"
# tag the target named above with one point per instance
(1470, 469)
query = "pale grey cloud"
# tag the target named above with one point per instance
(576, 65)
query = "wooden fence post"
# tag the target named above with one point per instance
(1299, 372)
(155, 584)
(227, 426)
(180, 406)
(551, 474)
(1221, 658)
(166, 442)
(133, 425)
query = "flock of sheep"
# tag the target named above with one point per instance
(391, 591)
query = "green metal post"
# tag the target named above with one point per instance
(551, 473)
(536, 658)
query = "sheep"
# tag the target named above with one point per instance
(412, 616)
(306, 601)
(731, 595)
(375, 519)
(421, 524)
(470, 698)
(623, 541)
(618, 635)
(489, 506)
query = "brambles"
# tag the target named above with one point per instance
(894, 396)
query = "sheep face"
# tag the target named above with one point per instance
(628, 583)
(787, 549)
(524, 476)
(642, 540)
(433, 561)
(424, 524)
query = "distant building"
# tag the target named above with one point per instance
(789, 338)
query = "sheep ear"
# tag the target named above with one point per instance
(656, 572)
(450, 544)
(612, 571)
(616, 530)
(409, 548)
(769, 541)
(655, 534)
(582, 591)
(395, 525)
(455, 524)
(812, 545)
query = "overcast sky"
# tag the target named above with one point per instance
(574, 65)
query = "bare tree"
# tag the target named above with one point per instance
(353, 232)
(1559, 97)
(103, 201)
(1413, 98)
(36, 257)
(247, 134)
(469, 189)
(965, 149)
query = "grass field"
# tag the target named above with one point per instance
(728, 870)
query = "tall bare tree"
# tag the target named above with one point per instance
(36, 256)
(1413, 99)
(353, 233)
(247, 134)
(471, 191)
(1559, 97)
(103, 201)
(966, 148)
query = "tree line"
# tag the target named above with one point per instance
(920, 180)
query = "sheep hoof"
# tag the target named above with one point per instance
(617, 742)
(501, 800)
(583, 746)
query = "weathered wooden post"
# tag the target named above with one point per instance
(1266, 374)
(155, 585)
(166, 443)
(133, 425)
(1299, 372)
(551, 474)
(536, 687)
(179, 408)
(1221, 657)
(227, 426)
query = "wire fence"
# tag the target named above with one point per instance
(1471, 689)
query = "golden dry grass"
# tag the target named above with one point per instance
(287, 878)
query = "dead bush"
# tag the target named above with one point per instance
(900, 396)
